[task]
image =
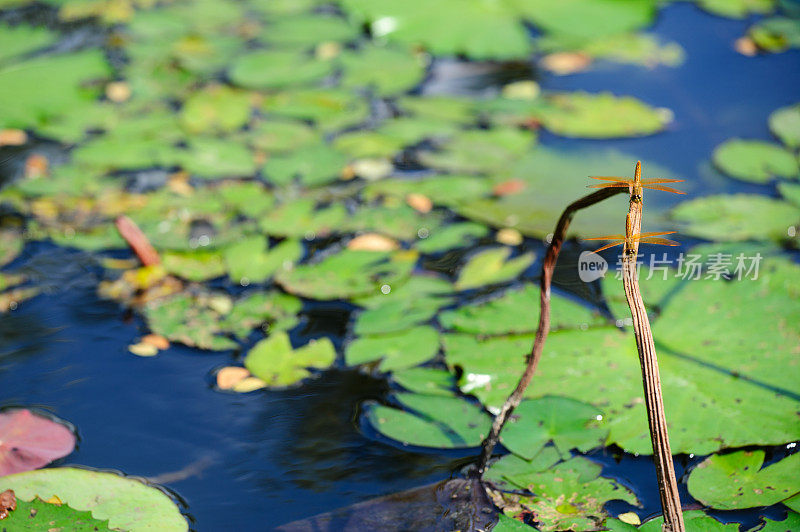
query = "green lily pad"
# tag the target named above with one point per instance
(248, 260)
(329, 109)
(11, 244)
(301, 218)
(361, 144)
(441, 109)
(387, 70)
(790, 191)
(249, 198)
(400, 221)
(570, 496)
(199, 265)
(317, 164)
(276, 308)
(569, 424)
(426, 381)
(628, 48)
(485, 29)
(737, 217)
(398, 314)
(440, 189)
(212, 158)
(275, 362)
(22, 39)
(49, 86)
(521, 470)
(582, 20)
(216, 109)
(517, 311)
(193, 321)
(273, 69)
(281, 135)
(755, 161)
(737, 480)
(437, 421)
(776, 34)
(40, 515)
(308, 30)
(492, 266)
(399, 350)
(125, 503)
(737, 8)
(602, 115)
(480, 151)
(695, 521)
(708, 408)
(451, 237)
(785, 124)
(347, 274)
(792, 522)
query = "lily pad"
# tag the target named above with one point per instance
(197, 265)
(480, 151)
(275, 362)
(309, 30)
(434, 421)
(22, 39)
(571, 495)
(426, 381)
(29, 441)
(737, 217)
(776, 34)
(281, 135)
(737, 480)
(695, 521)
(272, 69)
(248, 260)
(127, 504)
(39, 515)
(452, 236)
(212, 158)
(790, 191)
(569, 424)
(792, 522)
(400, 350)
(755, 161)
(492, 266)
(276, 308)
(785, 124)
(301, 218)
(369, 67)
(329, 109)
(485, 29)
(348, 274)
(193, 321)
(217, 109)
(737, 8)
(603, 115)
(517, 311)
(312, 165)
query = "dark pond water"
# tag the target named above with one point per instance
(254, 461)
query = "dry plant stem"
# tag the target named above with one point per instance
(137, 241)
(548, 265)
(662, 455)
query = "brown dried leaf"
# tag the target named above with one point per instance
(230, 376)
(13, 137)
(372, 242)
(8, 503)
(36, 166)
(566, 62)
(419, 202)
(157, 341)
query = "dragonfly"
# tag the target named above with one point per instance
(637, 183)
(643, 238)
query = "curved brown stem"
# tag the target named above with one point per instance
(548, 265)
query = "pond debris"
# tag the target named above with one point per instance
(137, 240)
(8, 503)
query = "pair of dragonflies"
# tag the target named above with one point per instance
(635, 186)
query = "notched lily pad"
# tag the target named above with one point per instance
(492, 266)
(755, 161)
(399, 350)
(275, 362)
(40, 515)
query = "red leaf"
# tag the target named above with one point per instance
(28, 441)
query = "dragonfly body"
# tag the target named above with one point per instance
(637, 184)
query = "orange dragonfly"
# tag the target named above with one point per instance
(636, 184)
(643, 238)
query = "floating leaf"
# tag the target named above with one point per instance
(603, 115)
(197, 265)
(631, 48)
(491, 266)
(755, 161)
(480, 151)
(790, 191)
(405, 349)
(517, 311)
(438, 421)
(281, 135)
(737, 8)
(192, 321)
(329, 109)
(216, 109)
(485, 29)
(776, 34)
(367, 67)
(400, 221)
(21, 39)
(312, 165)
(127, 504)
(29, 441)
(40, 515)
(792, 522)
(785, 124)
(214, 158)
(736, 217)
(736, 480)
(255, 309)
(248, 260)
(347, 274)
(569, 424)
(309, 30)
(275, 362)
(301, 218)
(695, 521)
(426, 381)
(271, 69)
(452, 236)
(570, 496)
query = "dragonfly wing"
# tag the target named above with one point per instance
(665, 189)
(662, 241)
(610, 185)
(611, 245)
(656, 233)
(611, 178)
(659, 180)
(607, 237)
